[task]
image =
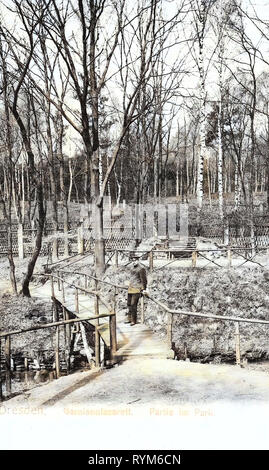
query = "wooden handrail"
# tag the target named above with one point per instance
(75, 286)
(96, 279)
(182, 312)
(59, 323)
(205, 315)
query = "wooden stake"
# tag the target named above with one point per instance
(97, 335)
(67, 327)
(113, 335)
(57, 341)
(58, 281)
(117, 258)
(76, 301)
(169, 329)
(142, 309)
(115, 299)
(237, 344)
(57, 353)
(63, 294)
(70, 350)
(97, 347)
(185, 351)
(8, 363)
(52, 286)
(151, 261)
(1, 390)
(194, 259)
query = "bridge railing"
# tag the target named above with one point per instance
(60, 283)
(7, 335)
(58, 286)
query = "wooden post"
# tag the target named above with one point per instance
(8, 363)
(67, 341)
(58, 281)
(1, 390)
(85, 283)
(185, 351)
(194, 259)
(237, 344)
(142, 309)
(52, 286)
(26, 364)
(229, 257)
(151, 261)
(64, 328)
(76, 301)
(57, 352)
(116, 258)
(113, 335)
(63, 294)
(115, 299)
(97, 335)
(20, 241)
(57, 341)
(97, 347)
(166, 246)
(169, 329)
(68, 327)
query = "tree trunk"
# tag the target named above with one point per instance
(38, 242)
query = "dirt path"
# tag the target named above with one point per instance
(151, 382)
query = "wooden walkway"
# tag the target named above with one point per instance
(132, 341)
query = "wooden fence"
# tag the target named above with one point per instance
(125, 257)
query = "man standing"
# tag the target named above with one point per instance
(137, 283)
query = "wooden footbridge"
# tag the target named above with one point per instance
(80, 310)
(120, 339)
